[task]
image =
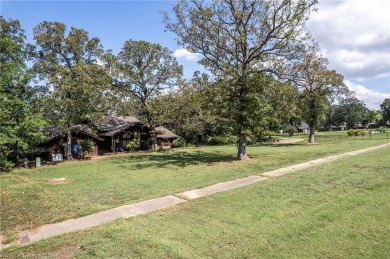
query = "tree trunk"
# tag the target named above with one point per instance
(241, 155)
(153, 136)
(151, 123)
(311, 135)
(17, 160)
(154, 139)
(69, 144)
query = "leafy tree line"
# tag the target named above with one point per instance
(353, 113)
(264, 72)
(20, 120)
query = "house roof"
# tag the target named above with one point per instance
(163, 132)
(85, 130)
(114, 125)
(130, 119)
(55, 132)
(111, 126)
(303, 126)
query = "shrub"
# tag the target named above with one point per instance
(351, 132)
(358, 132)
(158, 150)
(222, 140)
(251, 141)
(87, 145)
(382, 129)
(132, 145)
(266, 136)
(179, 142)
(5, 166)
(291, 130)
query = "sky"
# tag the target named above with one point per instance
(354, 35)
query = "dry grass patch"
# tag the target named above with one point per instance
(60, 181)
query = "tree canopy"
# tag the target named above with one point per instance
(238, 39)
(19, 124)
(146, 71)
(264, 72)
(69, 64)
(351, 111)
(318, 87)
(385, 110)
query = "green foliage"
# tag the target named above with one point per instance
(239, 42)
(267, 136)
(87, 145)
(143, 85)
(269, 133)
(179, 142)
(358, 132)
(5, 165)
(146, 71)
(78, 85)
(133, 145)
(351, 132)
(20, 122)
(251, 140)
(222, 140)
(291, 130)
(318, 87)
(353, 112)
(191, 112)
(385, 110)
(382, 129)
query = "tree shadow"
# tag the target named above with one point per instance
(283, 145)
(177, 159)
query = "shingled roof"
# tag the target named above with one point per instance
(163, 132)
(114, 125)
(54, 132)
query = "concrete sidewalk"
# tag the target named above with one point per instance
(147, 206)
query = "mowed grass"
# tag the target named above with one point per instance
(337, 210)
(322, 136)
(29, 200)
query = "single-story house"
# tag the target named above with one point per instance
(115, 133)
(303, 127)
(56, 145)
(334, 127)
(165, 137)
(119, 131)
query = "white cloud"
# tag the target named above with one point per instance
(183, 53)
(355, 37)
(371, 98)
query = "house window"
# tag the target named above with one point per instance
(126, 138)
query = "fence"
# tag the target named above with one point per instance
(346, 137)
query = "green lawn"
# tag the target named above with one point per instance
(322, 136)
(28, 199)
(337, 210)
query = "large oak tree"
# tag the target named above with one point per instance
(146, 71)
(69, 64)
(240, 38)
(385, 110)
(318, 86)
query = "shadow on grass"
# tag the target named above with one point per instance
(283, 145)
(179, 159)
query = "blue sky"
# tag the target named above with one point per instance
(353, 34)
(113, 22)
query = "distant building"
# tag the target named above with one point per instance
(112, 136)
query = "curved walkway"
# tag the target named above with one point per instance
(131, 210)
